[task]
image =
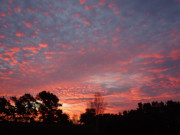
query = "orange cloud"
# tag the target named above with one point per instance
(32, 48)
(135, 93)
(157, 70)
(6, 59)
(15, 49)
(9, 53)
(43, 45)
(10, 58)
(152, 55)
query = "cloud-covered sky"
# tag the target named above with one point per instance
(128, 50)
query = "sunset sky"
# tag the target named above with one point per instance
(128, 50)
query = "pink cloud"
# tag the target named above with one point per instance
(9, 53)
(10, 1)
(82, 2)
(86, 21)
(143, 25)
(17, 9)
(50, 52)
(62, 45)
(5, 78)
(175, 37)
(47, 14)
(115, 44)
(76, 16)
(132, 10)
(30, 10)
(174, 79)
(53, 38)
(20, 34)
(2, 36)
(27, 24)
(37, 31)
(113, 6)
(157, 70)
(116, 12)
(3, 14)
(175, 54)
(77, 25)
(118, 29)
(102, 2)
(49, 57)
(87, 7)
(115, 38)
(10, 56)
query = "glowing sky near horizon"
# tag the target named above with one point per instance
(128, 50)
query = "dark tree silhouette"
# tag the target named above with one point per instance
(5, 109)
(25, 107)
(49, 100)
(148, 118)
(88, 117)
(98, 104)
(48, 107)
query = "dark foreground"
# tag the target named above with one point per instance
(156, 118)
(54, 129)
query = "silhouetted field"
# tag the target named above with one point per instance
(40, 115)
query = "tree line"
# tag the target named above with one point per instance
(42, 114)
(42, 108)
(148, 118)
